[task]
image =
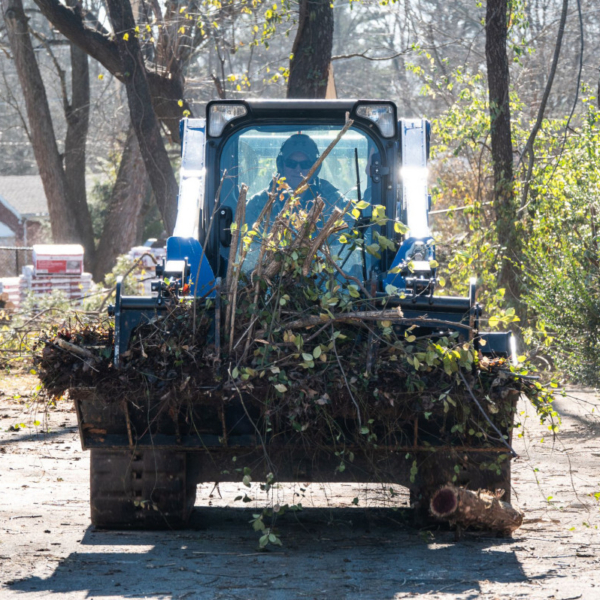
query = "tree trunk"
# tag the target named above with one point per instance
(143, 117)
(122, 223)
(63, 223)
(496, 26)
(78, 116)
(309, 66)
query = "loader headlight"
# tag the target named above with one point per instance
(380, 114)
(221, 114)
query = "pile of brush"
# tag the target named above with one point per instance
(304, 343)
(301, 339)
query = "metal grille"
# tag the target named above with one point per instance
(13, 259)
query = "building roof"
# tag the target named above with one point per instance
(24, 194)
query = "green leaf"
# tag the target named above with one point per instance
(362, 205)
(400, 227)
(235, 373)
(281, 388)
(433, 264)
(373, 249)
(258, 525)
(317, 351)
(307, 357)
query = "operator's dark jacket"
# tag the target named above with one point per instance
(318, 187)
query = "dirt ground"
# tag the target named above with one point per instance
(332, 549)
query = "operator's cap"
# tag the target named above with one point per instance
(299, 142)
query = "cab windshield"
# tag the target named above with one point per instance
(253, 156)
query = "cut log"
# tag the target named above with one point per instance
(481, 510)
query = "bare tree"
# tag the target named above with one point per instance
(77, 114)
(62, 218)
(85, 31)
(143, 117)
(122, 223)
(311, 53)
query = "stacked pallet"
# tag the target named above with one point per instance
(13, 289)
(73, 286)
(55, 267)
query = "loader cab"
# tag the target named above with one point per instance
(251, 142)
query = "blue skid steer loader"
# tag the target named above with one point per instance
(380, 160)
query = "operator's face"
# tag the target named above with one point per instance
(295, 167)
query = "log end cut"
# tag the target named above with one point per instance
(478, 510)
(444, 502)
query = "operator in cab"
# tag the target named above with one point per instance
(295, 159)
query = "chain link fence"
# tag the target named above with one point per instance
(13, 259)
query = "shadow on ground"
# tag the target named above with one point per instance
(327, 553)
(36, 436)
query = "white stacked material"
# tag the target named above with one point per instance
(61, 260)
(56, 267)
(72, 286)
(144, 273)
(14, 288)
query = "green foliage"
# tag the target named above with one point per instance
(563, 273)
(559, 257)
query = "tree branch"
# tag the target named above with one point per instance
(372, 58)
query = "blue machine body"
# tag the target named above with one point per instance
(202, 278)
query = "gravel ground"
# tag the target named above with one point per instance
(331, 550)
